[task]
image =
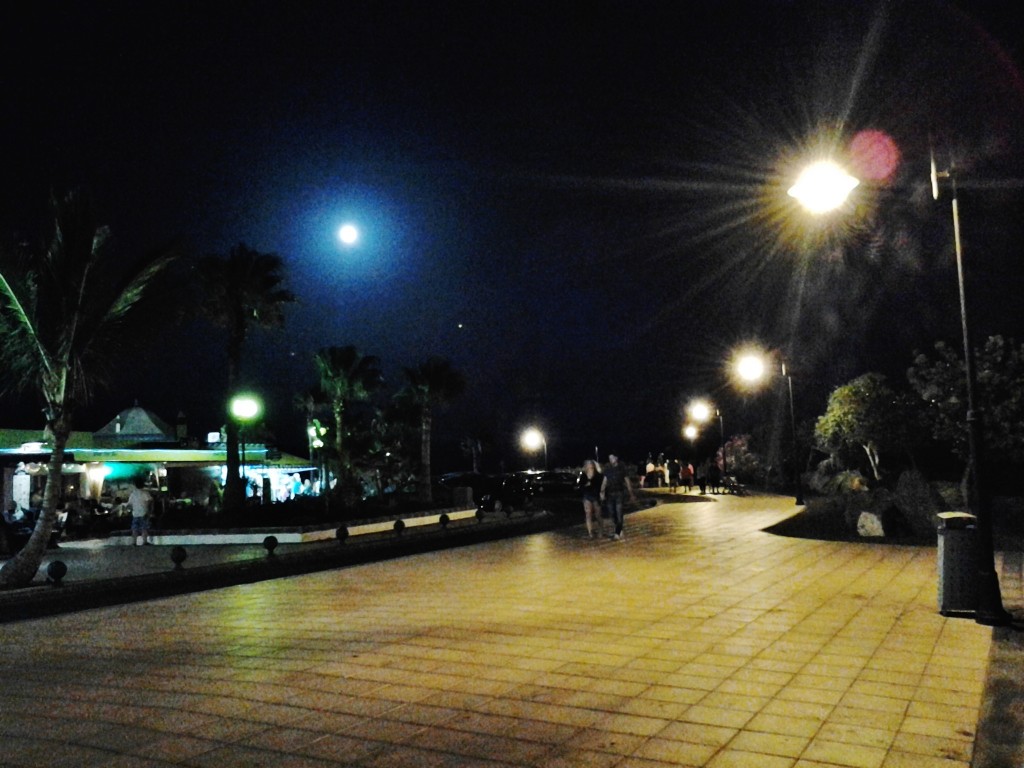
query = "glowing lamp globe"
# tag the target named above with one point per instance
(750, 368)
(700, 411)
(823, 187)
(245, 407)
(532, 439)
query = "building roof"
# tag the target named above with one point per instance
(136, 425)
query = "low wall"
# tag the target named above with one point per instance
(284, 535)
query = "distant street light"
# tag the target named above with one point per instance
(245, 408)
(533, 440)
(690, 432)
(752, 368)
(348, 234)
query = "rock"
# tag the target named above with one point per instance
(869, 525)
(874, 501)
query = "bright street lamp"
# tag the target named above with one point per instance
(823, 187)
(750, 368)
(533, 440)
(245, 407)
(690, 432)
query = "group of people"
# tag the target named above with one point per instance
(675, 474)
(604, 492)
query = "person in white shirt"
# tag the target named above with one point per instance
(141, 503)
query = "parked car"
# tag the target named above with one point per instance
(511, 492)
(552, 482)
(480, 484)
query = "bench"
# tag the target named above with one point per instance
(731, 485)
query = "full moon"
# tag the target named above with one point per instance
(348, 234)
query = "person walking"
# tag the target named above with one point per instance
(702, 476)
(589, 483)
(675, 470)
(613, 487)
(141, 502)
(714, 477)
(686, 476)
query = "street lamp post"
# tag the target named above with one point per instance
(989, 607)
(721, 431)
(798, 485)
(701, 411)
(533, 439)
(751, 368)
(244, 409)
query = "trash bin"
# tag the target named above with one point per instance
(957, 583)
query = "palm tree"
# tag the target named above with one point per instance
(64, 311)
(241, 291)
(432, 384)
(346, 377)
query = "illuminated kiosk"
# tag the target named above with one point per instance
(100, 466)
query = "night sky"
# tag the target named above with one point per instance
(582, 205)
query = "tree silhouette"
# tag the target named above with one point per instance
(346, 377)
(65, 310)
(432, 384)
(239, 292)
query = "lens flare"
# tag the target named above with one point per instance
(874, 155)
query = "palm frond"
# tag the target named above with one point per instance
(132, 293)
(18, 324)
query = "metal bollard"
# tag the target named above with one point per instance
(178, 555)
(270, 544)
(56, 571)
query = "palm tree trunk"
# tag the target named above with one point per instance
(340, 475)
(426, 488)
(21, 569)
(234, 486)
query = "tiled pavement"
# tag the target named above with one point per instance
(699, 640)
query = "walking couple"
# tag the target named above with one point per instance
(604, 489)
